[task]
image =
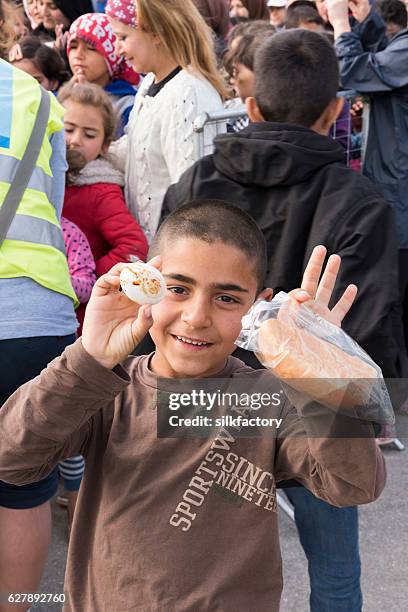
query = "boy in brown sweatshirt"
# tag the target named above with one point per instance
(179, 524)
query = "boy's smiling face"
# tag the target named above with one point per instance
(209, 289)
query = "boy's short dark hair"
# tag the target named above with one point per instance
(301, 14)
(248, 46)
(249, 33)
(251, 28)
(216, 221)
(296, 77)
(245, 51)
(393, 11)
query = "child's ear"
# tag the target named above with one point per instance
(334, 109)
(329, 116)
(266, 294)
(254, 114)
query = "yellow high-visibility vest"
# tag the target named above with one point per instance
(34, 246)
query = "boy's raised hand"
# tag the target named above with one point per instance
(316, 292)
(113, 324)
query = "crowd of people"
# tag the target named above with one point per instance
(116, 177)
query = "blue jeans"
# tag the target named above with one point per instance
(329, 537)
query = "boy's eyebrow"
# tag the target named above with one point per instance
(229, 287)
(220, 286)
(181, 278)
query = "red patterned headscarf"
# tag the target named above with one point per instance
(123, 11)
(95, 30)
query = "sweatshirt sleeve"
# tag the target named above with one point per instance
(118, 228)
(343, 471)
(371, 72)
(51, 417)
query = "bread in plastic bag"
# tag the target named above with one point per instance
(315, 358)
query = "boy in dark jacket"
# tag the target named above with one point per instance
(291, 178)
(284, 171)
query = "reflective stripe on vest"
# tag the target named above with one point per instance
(33, 247)
(36, 231)
(39, 180)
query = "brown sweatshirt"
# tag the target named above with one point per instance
(170, 524)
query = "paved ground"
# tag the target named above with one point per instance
(384, 550)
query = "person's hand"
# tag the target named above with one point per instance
(317, 294)
(337, 13)
(322, 10)
(15, 53)
(356, 113)
(114, 325)
(60, 37)
(356, 107)
(79, 77)
(360, 9)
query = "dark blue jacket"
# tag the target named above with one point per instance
(383, 75)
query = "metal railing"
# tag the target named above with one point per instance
(354, 145)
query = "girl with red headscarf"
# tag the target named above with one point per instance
(92, 58)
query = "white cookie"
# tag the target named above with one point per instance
(142, 283)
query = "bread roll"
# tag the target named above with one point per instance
(313, 366)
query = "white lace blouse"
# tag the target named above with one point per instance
(159, 144)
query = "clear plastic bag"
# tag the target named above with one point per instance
(315, 358)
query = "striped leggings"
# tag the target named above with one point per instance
(71, 471)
